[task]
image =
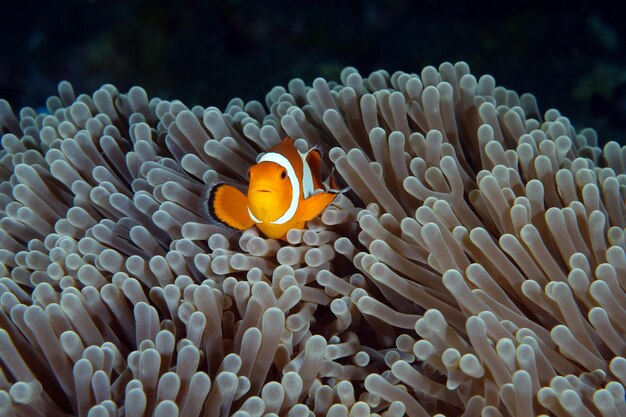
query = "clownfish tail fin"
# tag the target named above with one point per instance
(225, 205)
(332, 186)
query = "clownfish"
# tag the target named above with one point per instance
(285, 191)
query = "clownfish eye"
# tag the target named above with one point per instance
(283, 174)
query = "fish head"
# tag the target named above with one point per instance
(270, 191)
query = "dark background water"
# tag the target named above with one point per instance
(571, 56)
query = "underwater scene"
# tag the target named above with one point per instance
(340, 209)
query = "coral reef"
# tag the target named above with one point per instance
(477, 267)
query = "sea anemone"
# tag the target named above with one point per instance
(476, 267)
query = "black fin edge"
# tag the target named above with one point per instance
(207, 206)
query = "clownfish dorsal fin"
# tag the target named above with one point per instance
(228, 206)
(284, 147)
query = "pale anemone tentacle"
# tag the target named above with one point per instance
(475, 267)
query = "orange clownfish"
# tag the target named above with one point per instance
(285, 191)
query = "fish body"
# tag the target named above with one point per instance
(284, 192)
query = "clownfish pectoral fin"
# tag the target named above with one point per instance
(314, 205)
(227, 205)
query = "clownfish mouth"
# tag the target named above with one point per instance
(263, 190)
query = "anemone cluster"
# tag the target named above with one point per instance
(477, 266)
